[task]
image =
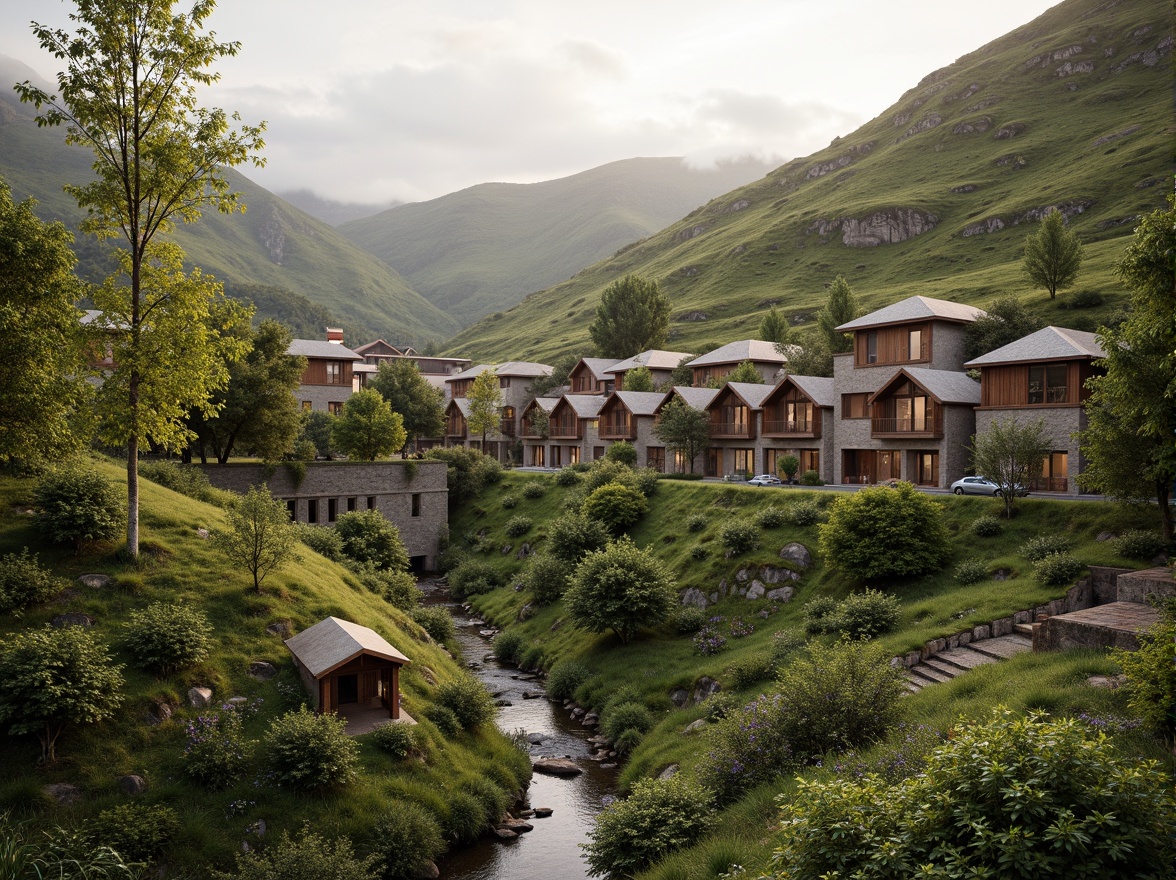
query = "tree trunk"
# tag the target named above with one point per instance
(133, 497)
(1163, 496)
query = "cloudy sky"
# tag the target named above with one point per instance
(372, 100)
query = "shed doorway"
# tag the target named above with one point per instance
(348, 686)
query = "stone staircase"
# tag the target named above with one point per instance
(951, 662)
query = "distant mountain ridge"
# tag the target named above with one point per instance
(934, 196)
(329, 210)
(482, 249)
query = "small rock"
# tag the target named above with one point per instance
(537, 738)
(256, 828)
(281, 628)
(577, 712)
(559, 621)
(609, 766)
(531, 695)
(755, 591)
(518, 826)
(502, 703)
(670, 772)
(473, 664)
(679, 696)
(132, 784)
(695, 726)
(428, 871)
(695, 597)
(504, 833)
(705, 688)
(159, 713)
(556, 767)
(72, 618)
(543, 812)
(237, 702)
(1105, 536)
(95, 581)
(1107, 681)
(202, 534)
(199, 697)
(507, 549)
(487, 633)
(62, 793)
(743, 575)
(780, 594)
(524, 551)
(261, 670)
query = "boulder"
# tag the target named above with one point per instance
(780, 594)
(199, 697)
(159, 712)
(62, 793)
(695, 597)
(756, 590)
(504, 833)
(283, 629)
(797, 554)
(556, 767)
(704, 689)
(95, 581)
(679, 696)
(670, 772)
(262, 670)
(72, 618)
(695, 726)
(428, 871)
(132, 784)
(518, 826)
(543, 812)
(537, 738)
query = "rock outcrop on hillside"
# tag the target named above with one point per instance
(883, 227)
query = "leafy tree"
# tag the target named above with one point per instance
(1007, 320)
(1053, 255)
(316, 428)
(639, 379)
(1151, 675)
(257, 409)
(259, 534)
(620, 588)
(367, 428)
(540, 421)
(307, 857)
(40, 337)
(633, 315)
(421, 406)
(573, 536)
(683, 429)
(370, 539)
(129, 94)
(744, 372)
(883, 532)
(485, 399)
(51, 678)
(812, 359)
(788, 465)
(622, 452)
(840, 308)
(1010, 454)
(774, 327)
(1132, 408)
(616, 505)
(76, 504)
(683, 374)
(541, 386)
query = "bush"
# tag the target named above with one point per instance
(820, 615)
(398, 588)
(310, 856)
(770, 517)
(1151, 676)
(434, 620)
(1006, 797)
(517, 526)
(533, 490)
(811, 478)
(689, 619)
(546, 577)
(1140, 544)
(77, 505)
(564, 678)
(306, 751)
(573, 536)
(680, 476)
(23, 582)
(472, 577)
(604, 472)
(620, 588)
(747, 746)
(615, 505)
(699, 553)
(137, 832)
(645, 481)
(696, 522)
(1082, 299)
(803, 513)
(747, 673)
(986, 527)
(509, 502)
(626, 716)
(532, 659)
(708, 640)
(369, 538)
(398, 738)
(739, 537)
(622, 452)
(971, 571)
(465, 818)
(1057, 570)
(659, 817)
(627, 741)
(445, 719)
(508, 646)
(186, 479)
(468, 700)
(868, 614)
(406, 838)
(567, 478)
(217, 752)
(1036, 549)
(884, 532)
(468, 471)
(164, 637)
(322, 540)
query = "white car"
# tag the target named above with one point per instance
(764, 480)
(981, 486)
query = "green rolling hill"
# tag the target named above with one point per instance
(484, 248)
(934, 196)
(303, 270)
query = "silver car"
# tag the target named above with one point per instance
(764, 480)
(981, 486)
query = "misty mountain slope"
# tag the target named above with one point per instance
(935, 196)
(271, 244)
(482, 249)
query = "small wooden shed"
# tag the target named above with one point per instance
(344, 663)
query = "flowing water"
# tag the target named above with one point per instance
(551, 851)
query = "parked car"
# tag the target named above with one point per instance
(764, 480)
(981, 486)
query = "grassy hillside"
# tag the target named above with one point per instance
(662, 658)
(178, 566)
(272, 244)
(483, 249)
(1073, 109)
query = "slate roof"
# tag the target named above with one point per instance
(585, 406)
(946, 386)
(1047, 344)
(598, 367)
(915, 308)
(523, 368)
(462, 404)
(641, 403)
(332, 642)
(471, 372)
(696, 398)
(654, 358)
(753, 393)
(320, 348)
(739, 351)
(818, 389)
(547, 404)
(379, 346)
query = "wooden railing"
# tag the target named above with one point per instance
(929, 426)
(563, 430)
(796, 428)
(617, 431)
(737, 430)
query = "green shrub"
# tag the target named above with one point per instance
(1140, 544)
(434, 620)
(164, 637)
(216, 753)
(494, 800)
(369, 538)
(621, 588)
(680, 476)
(747, 746)
(306, 751)
(659, 817)
(517, 526)
(137, 832)
(751, 672)
(689, 619)
(531, 659)
(23, 582)
(699, 553)
(309, 857)
(77, 505)
(604, 472)
(784, 643)
(615, 505)
(986, 527)
(186, 479)
(787, 466)
(509, 502)
(1036, 549)
(1151, 675)
(884, 532)
(508, 646)
(573, 536)
(1057, 570)
(696, 522)
(820, 615)
(811, 478)
(564, 678)
(1082, 299)
(1006, 797)
(406, 838)
(739, 537)
(398, 588)
(322, 540)
(445, 719)
(546, 577)
(719, 706)
(803, 513)
(645, 481)
(465, 818)
(627, 740)
(622, 452)
(468, 471)
(626, 716)
(770, 517)
(867, 614)
(567, 478)
(533, 490)
(971, 571)
(398, 738)
(468, 699)
(472, 577)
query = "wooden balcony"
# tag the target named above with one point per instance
(455, 429)
(785, 428)
(732, 430)
(563, 431)
(618, 431)
(930, 426)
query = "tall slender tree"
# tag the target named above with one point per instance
(633, 315)
(128, 93)
(485, 399)
(840, 308)
(1053, 255)
(683, 429)
(774, 327)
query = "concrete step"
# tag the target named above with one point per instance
(939, 665)
(964, 658)
(1025, 629)
(912, 686)
(1003, 647)
(929, 673)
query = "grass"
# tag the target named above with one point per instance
(177, 565)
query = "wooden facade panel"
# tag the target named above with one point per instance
(316, 373)
(892, 345)
(1007, 385)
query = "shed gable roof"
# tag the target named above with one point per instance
(332, 642)
(654, 358)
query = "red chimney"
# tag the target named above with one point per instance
(335, 334)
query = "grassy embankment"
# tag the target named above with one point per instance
(177, 565)
(933, 606)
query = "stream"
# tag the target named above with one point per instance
(551, 851)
